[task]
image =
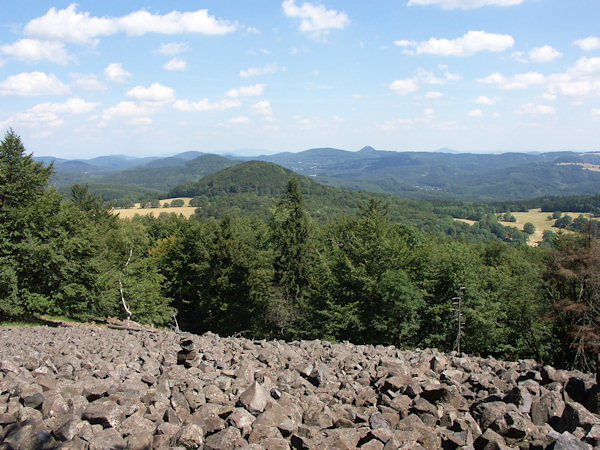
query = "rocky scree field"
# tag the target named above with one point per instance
(88, 387)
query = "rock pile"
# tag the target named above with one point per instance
(99, 388)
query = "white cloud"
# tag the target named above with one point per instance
(483, 100)
(140, 121)
(581, 79)
(519, 81)
(404, 87)
(47, 114)
(133, 113)
(589, 43)
(156, 92)
(428, 77)
(596, 112)
(173, 48)
(71, 106)
(453, 76)
(316, 19)
(544, 54)
(70, 25)
(114, 72)
(175, 64)
(429, 111)
(405, 43)
(534, 109)
(33, 83)
(475, 113)
(469, 44)
(205, 105)
(433, 95)
(240, 120)
(246, 91)
(34, 50)
(263, 107)
(87, 82)
(464, 4)
(253, 71)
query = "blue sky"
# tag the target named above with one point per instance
(162, 77)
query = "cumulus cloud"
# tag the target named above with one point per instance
(581, 79)
(470, 43)
(433, 95)
(589, 43)
(263, 108)
(240, 120)
(156, 92)
(47, 114)
(405, 86)
(175, 64)
(519, 81)
(87, 82)
(408, 85)
(475, 113)
(316, 20)
(129, 109)
(544, 54)
(70, 25)
(205, 105)
(35, 50)
(534, 109)
(246, 91)
(254, 71)
(464, 4)
(33, 83)
(173, 48)
(483, 100)
(115, 73)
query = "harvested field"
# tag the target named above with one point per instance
(186, 210)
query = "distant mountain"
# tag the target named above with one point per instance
(166, 173)
(424, 175)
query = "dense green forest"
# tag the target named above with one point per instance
(362, 276)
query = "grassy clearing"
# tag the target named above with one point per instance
(186, 210)
(538, 218)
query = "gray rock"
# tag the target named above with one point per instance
(104, 412)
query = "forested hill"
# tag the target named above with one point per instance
(422, 175)
(439, 175)
(251, 189)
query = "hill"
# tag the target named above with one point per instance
(252, 187)
(439, 175)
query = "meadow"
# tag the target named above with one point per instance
(186, 209)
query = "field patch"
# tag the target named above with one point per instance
(541, 220)
(186, 209)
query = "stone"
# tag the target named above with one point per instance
(255, 398)
(190, 435)
(107, 439)
(104, 412)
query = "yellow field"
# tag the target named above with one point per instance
(538, 218)
(186, 210)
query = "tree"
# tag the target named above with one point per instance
(295, 259)
(374, 298)
(563, 222)
(574, 276)
(22, 179)
(529, 228)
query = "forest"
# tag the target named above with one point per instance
(361, 276)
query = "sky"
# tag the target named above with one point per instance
(153, 78)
